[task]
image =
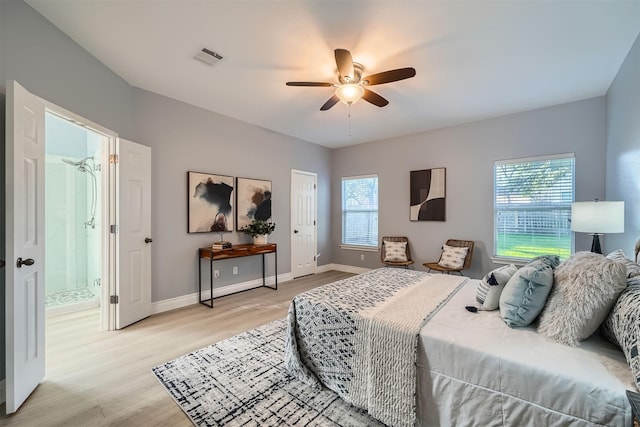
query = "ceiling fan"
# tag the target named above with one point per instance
(351, 85)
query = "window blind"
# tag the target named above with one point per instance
(360, 211)
(532, 206)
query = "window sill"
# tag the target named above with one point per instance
(507, 261)
(360, 248)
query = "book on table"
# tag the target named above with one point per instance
(221, 245)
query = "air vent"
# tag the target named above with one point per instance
(208, 57)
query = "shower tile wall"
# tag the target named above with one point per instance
(65, 234)
(73, 250)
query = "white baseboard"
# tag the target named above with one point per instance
(347, 268)
(324, 268)
(3, 393)
(185, 300)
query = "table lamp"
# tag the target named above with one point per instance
(597, 218)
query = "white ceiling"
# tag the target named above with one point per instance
(474, 59)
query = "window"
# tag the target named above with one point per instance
(360, 211)
(532, 207)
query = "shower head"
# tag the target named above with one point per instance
(82, 165)
(72, 163)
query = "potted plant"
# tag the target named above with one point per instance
(259, 229)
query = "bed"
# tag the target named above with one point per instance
(448, 366)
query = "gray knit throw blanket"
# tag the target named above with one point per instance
(359, 336)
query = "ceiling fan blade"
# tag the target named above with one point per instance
(330, 103)
(319, 84)
(390, 76)
(374, 98)
(344, 61)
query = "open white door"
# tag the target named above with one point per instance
(133, 206)
(303, 223)
(24, 244)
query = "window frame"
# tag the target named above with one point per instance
(503, 259)
(353, 246)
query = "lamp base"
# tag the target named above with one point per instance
(595, 245)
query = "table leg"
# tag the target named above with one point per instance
(264, 274)
(204, 302)
(211, 282)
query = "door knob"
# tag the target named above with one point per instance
(148, 240)
(20, 262)
(295, 231)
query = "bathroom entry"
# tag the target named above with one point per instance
(74, 217)
(123, 200)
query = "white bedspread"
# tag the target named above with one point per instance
(476, 371)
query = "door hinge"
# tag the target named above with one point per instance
(113, 229)
(314, 222)
(314, 186)
(114, 158)
(113, 299)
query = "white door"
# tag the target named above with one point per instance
(303, 223)
(24, 244)
(133, 206)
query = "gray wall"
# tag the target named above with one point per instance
(51, 65)
(186, 138)
(623, 148)
(468, 152)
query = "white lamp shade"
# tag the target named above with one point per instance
(350, 93)
(597, 217)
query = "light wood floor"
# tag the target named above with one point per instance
(98, 378)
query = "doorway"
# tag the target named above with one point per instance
(129, 299)
(74, 215)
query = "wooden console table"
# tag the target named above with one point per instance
(236, 251)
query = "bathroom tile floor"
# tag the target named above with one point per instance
(70, 296)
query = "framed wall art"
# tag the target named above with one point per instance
(253, 200)
(210, 202)
(427, 195)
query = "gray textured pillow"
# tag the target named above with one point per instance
(586, 287)
(491, 286)
(623, 325)
(633, 269)
(526, 292)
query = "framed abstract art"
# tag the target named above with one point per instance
(210, 202)
(427, 194)
(253, 200)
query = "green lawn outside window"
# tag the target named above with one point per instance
(530, 246)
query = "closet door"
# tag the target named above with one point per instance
(303, 223)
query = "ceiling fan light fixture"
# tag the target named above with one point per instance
(349, 93)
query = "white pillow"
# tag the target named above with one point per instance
(452, 256)
(395, 251)
(491, 286)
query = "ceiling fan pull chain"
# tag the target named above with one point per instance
(349, 119)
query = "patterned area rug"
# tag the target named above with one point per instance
(242, 381)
